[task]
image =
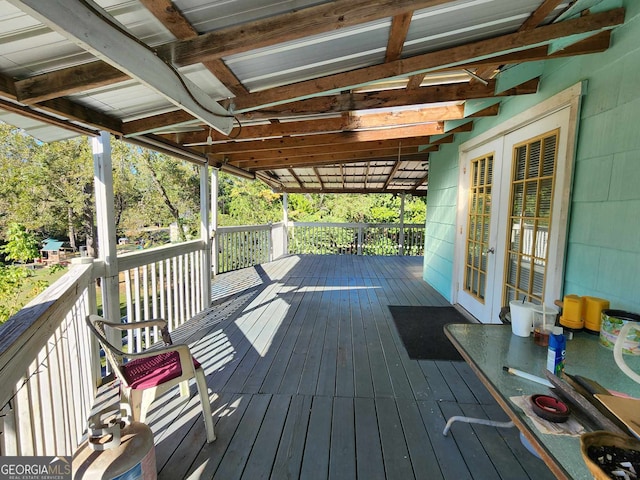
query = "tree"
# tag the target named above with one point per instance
(21, 246)
(250, 203)
(173, 190)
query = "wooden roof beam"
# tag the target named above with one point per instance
(422, 130)
(449, 57)
(294, 25)
(408, 144)
(346, 102)
(399, 27)
(330, 159)
(29, 112)
(318, 177)
(220, 43)
(360, 191)
(392, 174)
(364, 148)
(85, 25)
(181, 28)
(534, 20)
(335, 104)
(296, 178)
(60, 107)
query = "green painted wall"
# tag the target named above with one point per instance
(603, 257)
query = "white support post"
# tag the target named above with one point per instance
(205, 235)
(105, 212)
(214, 220)
(285, 222)
(401, 246)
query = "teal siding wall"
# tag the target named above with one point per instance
(603, 257)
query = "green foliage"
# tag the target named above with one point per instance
(21, 246)
(355, 208)
(248, 202)
(57, 267)
(11, 282)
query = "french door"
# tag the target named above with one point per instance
(511, 227)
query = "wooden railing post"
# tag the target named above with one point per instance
(360, 239)
(105, 210)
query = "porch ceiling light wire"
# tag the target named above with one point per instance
(106, 18)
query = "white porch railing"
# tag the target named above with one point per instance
(48, 369)
(356, 238)
(49, 362)
(245, 246)
(164, 282)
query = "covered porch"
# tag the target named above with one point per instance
(309, 379)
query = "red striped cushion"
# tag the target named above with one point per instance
(153, 371)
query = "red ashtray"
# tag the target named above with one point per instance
(550, 408)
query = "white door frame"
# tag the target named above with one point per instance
(569, 98)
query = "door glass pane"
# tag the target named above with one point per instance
(530, 217)
(477, 240)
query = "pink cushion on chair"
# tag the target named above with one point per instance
(153, 371)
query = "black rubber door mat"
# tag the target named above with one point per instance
(421, 331)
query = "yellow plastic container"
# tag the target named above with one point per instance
(592, 312)
(572, 312)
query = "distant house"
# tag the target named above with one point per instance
(52, 251)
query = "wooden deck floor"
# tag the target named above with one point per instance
(310, 380)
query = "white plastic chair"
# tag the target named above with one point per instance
(147, 375)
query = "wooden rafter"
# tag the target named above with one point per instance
(213, 46)
(392, 174)
(67, 81)
(391, 98)
(318, 177)
(534, 20)
(421, 181)
(65, 108)
(176, 23)
(397, 36)
(321, 159)
(352, 190)
(366, 175)
(85, 25)
(454, 56)
(331, 104)
(329, 139)
(336, 124)
(287, 27)
(409, 145)
(43, 117)
(296, 178)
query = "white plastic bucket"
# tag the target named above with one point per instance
(521, 317)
